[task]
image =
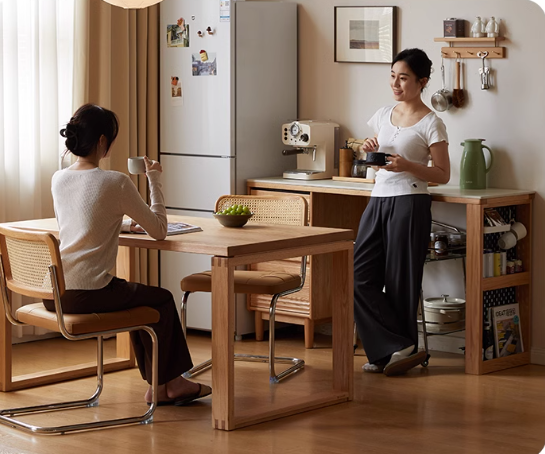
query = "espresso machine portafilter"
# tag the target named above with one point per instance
(316, 144)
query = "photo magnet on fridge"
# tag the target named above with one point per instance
(176, 93)
(178, 34)
(204, 64)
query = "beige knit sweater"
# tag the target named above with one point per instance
(89, 206)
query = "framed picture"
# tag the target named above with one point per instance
(365, 34)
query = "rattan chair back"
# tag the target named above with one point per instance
(281, 209)
(27, 258)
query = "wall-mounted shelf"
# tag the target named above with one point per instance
(488, 45)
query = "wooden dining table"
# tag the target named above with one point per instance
(231, 248)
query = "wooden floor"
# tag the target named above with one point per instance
(433, 410)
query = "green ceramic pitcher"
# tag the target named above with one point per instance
(473, 168)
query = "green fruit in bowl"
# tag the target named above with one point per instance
(235, 210)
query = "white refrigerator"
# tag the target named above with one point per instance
(228, 81)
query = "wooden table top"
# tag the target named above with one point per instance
(440, 193)
(216, 239)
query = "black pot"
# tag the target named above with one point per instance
(376, 158)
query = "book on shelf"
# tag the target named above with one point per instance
(177, 228)
(507, 330)
(492, 218)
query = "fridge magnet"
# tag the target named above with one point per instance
(225, 11)
(176, 90)
(178, 34)
(365, 34)
(204, 64)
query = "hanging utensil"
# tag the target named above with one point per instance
(484, 71)
(441, 100)
(458, 96)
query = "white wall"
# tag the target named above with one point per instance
(510, 116)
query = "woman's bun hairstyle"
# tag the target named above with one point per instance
(71, 135)
(85, 128)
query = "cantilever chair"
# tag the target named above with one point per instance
(287, 210)
(31, 266)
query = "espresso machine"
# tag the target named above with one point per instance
(316, 144)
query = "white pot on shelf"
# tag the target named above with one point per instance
(444, 313)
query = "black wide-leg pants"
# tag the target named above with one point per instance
(389, 257)
(174, 358)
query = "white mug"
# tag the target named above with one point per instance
(519, 230)
(370, 175)
(507, 240)
(136, 165)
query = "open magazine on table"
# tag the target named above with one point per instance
(177, 228)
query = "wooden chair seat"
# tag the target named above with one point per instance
(36, 314)
(257, 282)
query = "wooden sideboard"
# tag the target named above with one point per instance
(340, 204)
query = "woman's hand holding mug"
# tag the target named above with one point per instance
(143, 164)
(152, 165)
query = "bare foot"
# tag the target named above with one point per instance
(161, 393)
(178, 387)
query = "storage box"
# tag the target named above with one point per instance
(454, 28)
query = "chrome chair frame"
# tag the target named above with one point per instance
(297, 364)
(7, 416)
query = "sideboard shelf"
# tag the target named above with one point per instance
(508, 280)
(340, 204)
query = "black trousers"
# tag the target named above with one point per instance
(389, 257)
(174, 358)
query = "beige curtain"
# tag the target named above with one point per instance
(117, 67)
(36, 61)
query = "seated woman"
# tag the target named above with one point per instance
(89, 205)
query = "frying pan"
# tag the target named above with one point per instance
(441, 100)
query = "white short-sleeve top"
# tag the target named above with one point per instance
(413, 143)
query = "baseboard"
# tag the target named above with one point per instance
(537, 356)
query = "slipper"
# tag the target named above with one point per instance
(204, 390)
(403, 365)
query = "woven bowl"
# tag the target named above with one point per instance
(233, 220)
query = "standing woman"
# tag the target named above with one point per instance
(394, 230)
(89, 205)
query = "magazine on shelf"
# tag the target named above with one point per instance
(177, 228)
(507, 330)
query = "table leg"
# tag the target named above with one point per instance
(5, 351)
(223, 349)
(125, 269)
(342, 281)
